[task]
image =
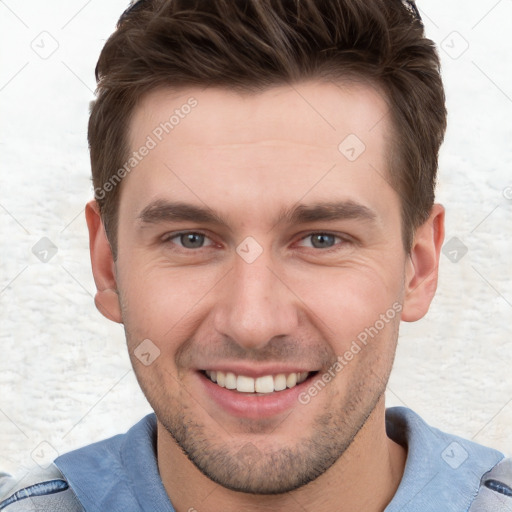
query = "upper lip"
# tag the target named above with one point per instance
(255, 372)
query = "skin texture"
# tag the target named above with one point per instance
(249, 158)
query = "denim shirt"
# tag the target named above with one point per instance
(442, 473)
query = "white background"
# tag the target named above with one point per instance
(65, 376)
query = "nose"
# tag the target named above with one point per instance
(256, 304)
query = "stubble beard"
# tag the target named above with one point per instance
(268, 471)
(262, 468)
(272, 468)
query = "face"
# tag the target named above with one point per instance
(259, 245)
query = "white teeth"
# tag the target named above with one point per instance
(221, 379)
(264, 384)
(245, 384)
(230, 381)
(301, 377)
(280, 382)
(291, 380)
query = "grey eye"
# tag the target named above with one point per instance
(322, 240)
(192, 240)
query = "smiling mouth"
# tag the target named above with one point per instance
(265, 384)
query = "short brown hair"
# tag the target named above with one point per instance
(250, 45)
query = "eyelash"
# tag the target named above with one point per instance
(342, 240)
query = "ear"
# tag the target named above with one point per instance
(422, 266)
(103, 268)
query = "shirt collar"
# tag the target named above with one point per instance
(442, 471)
(118, 473)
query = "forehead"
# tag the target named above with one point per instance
(310, 112)
(254, 150)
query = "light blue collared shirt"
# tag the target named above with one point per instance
(442, 473)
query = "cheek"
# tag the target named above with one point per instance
(344, 302)
(162, 303)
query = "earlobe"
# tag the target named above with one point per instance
(107, 303)
(422, 266)
(107, 298)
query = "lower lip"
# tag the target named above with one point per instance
(253, 406)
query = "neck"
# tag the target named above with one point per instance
(365, 478)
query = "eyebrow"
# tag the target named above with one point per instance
(340, 210)
(167, 211)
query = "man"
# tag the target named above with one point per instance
(263, 219)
